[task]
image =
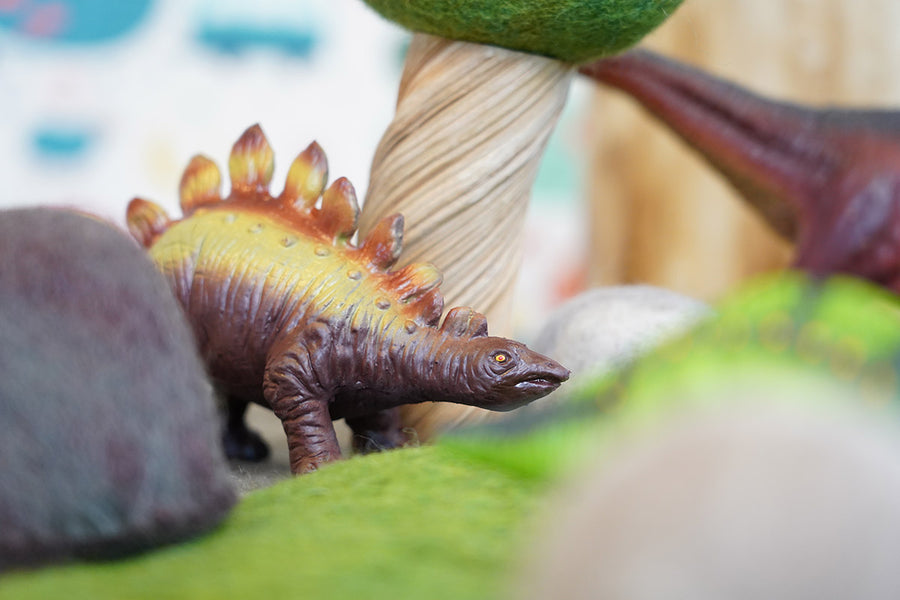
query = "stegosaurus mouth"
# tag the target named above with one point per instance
(547, 380)
(538, 383)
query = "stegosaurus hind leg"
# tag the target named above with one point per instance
(377, 431)
(241, 442)
(294, 391)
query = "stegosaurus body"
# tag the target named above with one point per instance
(289, 313)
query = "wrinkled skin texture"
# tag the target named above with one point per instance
(826, 179)
(288, 313)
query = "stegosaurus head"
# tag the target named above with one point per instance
(493, 372)
(304, 207)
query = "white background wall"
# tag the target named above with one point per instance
(124, 115)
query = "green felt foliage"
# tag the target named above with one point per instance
(785, 332)
(789, 326)
(412, 523)
(571, 30)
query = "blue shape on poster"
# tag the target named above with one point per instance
(559, 175)
(62, 141)
(74, 21)
(235, 39)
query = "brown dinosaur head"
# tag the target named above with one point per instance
(505, 374)
(493, 372)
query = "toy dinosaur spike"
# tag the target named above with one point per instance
(429, 306)
(200, 184)
(306, 178)
(146, 221)
(383, 245)
(463, 321)
(251, 162)
(414, 280)
(294, 316)
(337, 217)
(417, 286)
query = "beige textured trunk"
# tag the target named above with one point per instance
(459, 161)
(660, 215)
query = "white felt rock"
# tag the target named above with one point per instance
(766, 501)
(605, 328)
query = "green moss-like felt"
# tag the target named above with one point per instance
(570, 30)
(451, 521)
(412, 523)
(783, 330)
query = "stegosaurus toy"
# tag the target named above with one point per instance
(289, 313)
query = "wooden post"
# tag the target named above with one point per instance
(459, 161)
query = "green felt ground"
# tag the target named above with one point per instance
(413, 523)
(570, 30)
(452, 521)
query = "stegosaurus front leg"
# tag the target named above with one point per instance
(292, 389)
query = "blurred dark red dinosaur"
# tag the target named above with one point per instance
(827, 179)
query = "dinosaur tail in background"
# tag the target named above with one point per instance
(826, 179)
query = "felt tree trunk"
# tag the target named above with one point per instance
(458, 161)
(661, 215)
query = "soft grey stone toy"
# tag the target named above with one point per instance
(109, 436)
(604, 328)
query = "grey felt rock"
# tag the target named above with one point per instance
(605, 328)
(109, 434)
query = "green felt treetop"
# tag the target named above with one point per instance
(569, 30)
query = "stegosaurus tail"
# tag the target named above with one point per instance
(305, 205)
